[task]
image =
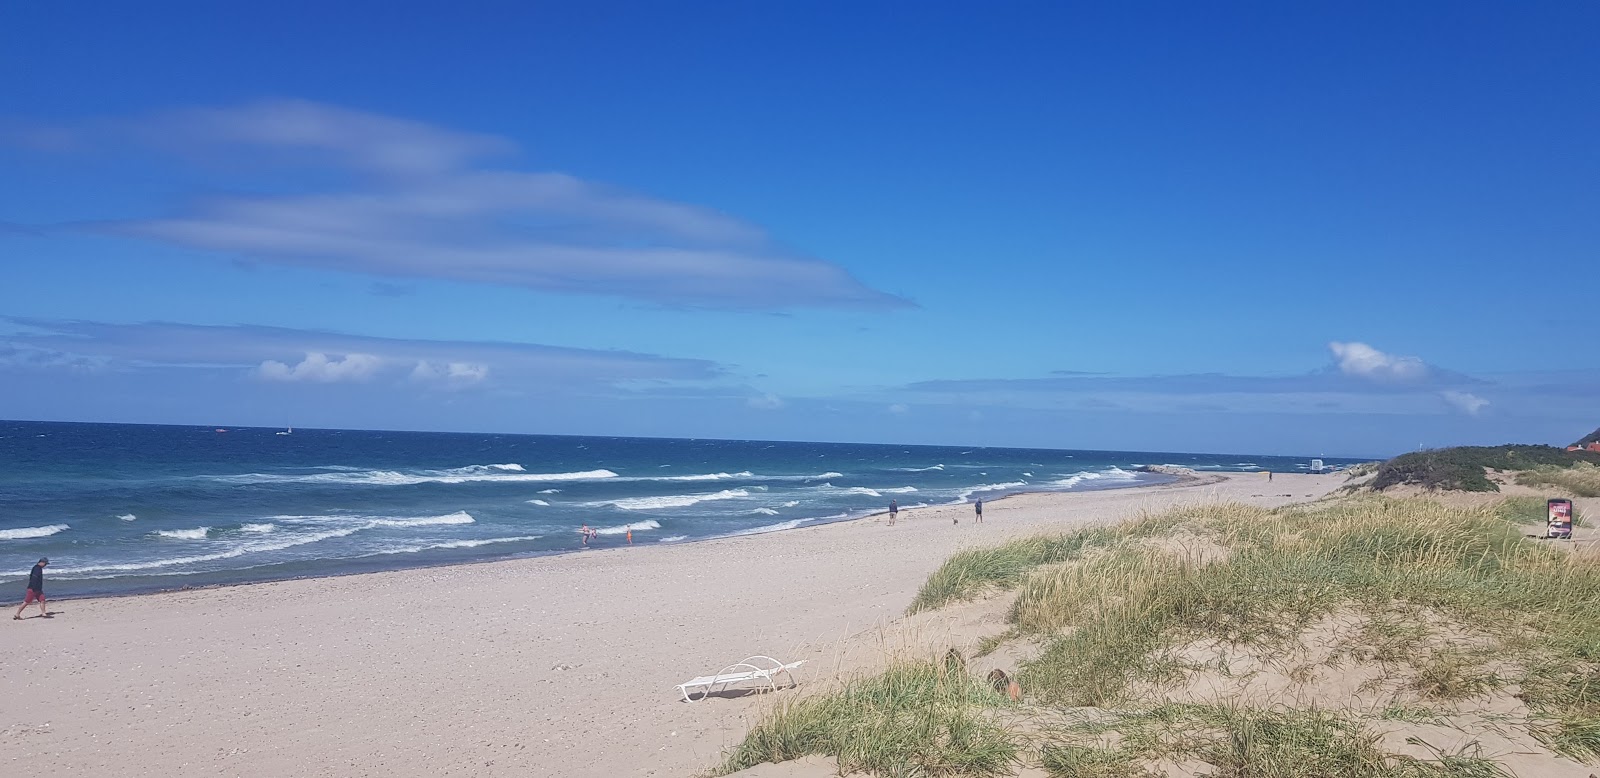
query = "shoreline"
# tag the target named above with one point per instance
(1174, 479)
(512, 667)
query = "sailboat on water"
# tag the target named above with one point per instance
(288, 431)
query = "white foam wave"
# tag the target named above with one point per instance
(900, 490)
(790, 504)
(198, 533)
(672, 501)
(539, 502)
(673, 539)
(456, 544)
(761, 512)
(621, 529)
(127, 517)
(237, 551)
(459, 517)
(549, 491)
(920, 469)
(27, 533)
(260, 529)
(862, 490)
(460, 475)
(782, 525)
(967, 494)
(1110, 473)
(702, 477)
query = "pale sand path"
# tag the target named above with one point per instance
(456, 671)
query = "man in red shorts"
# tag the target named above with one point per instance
(35, 590)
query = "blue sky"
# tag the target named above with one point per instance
(1272, 228)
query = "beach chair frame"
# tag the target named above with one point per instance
(762, 669)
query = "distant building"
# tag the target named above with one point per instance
(1595, 447)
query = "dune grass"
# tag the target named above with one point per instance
(1581, 480)
(970, 573)
(915, 719)
(1109, 605)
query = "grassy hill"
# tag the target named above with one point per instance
(1463, 467)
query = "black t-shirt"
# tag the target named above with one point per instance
(36, 579)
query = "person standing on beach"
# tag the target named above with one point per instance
(587, 534)
(978, 506)
(35, 591)
(894, 510)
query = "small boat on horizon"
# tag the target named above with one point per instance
(289, 431)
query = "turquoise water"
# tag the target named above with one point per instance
(127, 508)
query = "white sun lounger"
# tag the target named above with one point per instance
(763, 669)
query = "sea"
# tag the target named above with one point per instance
(126, 508)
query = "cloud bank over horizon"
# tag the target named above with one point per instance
(405, 199)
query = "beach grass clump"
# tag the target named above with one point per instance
(1581, 480)
(1242, 742)
(969, 573)
(915, 719)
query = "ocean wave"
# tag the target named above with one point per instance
(622, 529)
(761, 512)
(455, 544)
(260, 529)
(900, 490)
(782, 525)
(967, 494)
(671, 501)
(460, 475)
(198, 533)
(237, 551)
(28, 533)
(919, 469)
(280, 542)
(861, 490)
(127, 517)
(1111, 473)
(699, 477)
(790, 504)
(539, 502)
(459, 517)
(549, 491)
(673, 539)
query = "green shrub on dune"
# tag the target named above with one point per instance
(1463, 467)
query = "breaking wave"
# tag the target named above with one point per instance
(459, 475)
(27, 533)
(622, 529)
(198, 533)
(671, 501)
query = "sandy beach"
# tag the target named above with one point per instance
(548, 666)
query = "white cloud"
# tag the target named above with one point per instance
(456, 374)
(899, 408)
(1363, 361)
(1466, 402)
(766, 402)
(317, 367)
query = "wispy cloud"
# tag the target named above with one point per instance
(766, 402)
(279, 355)
(421, 205)
(1466, 402)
